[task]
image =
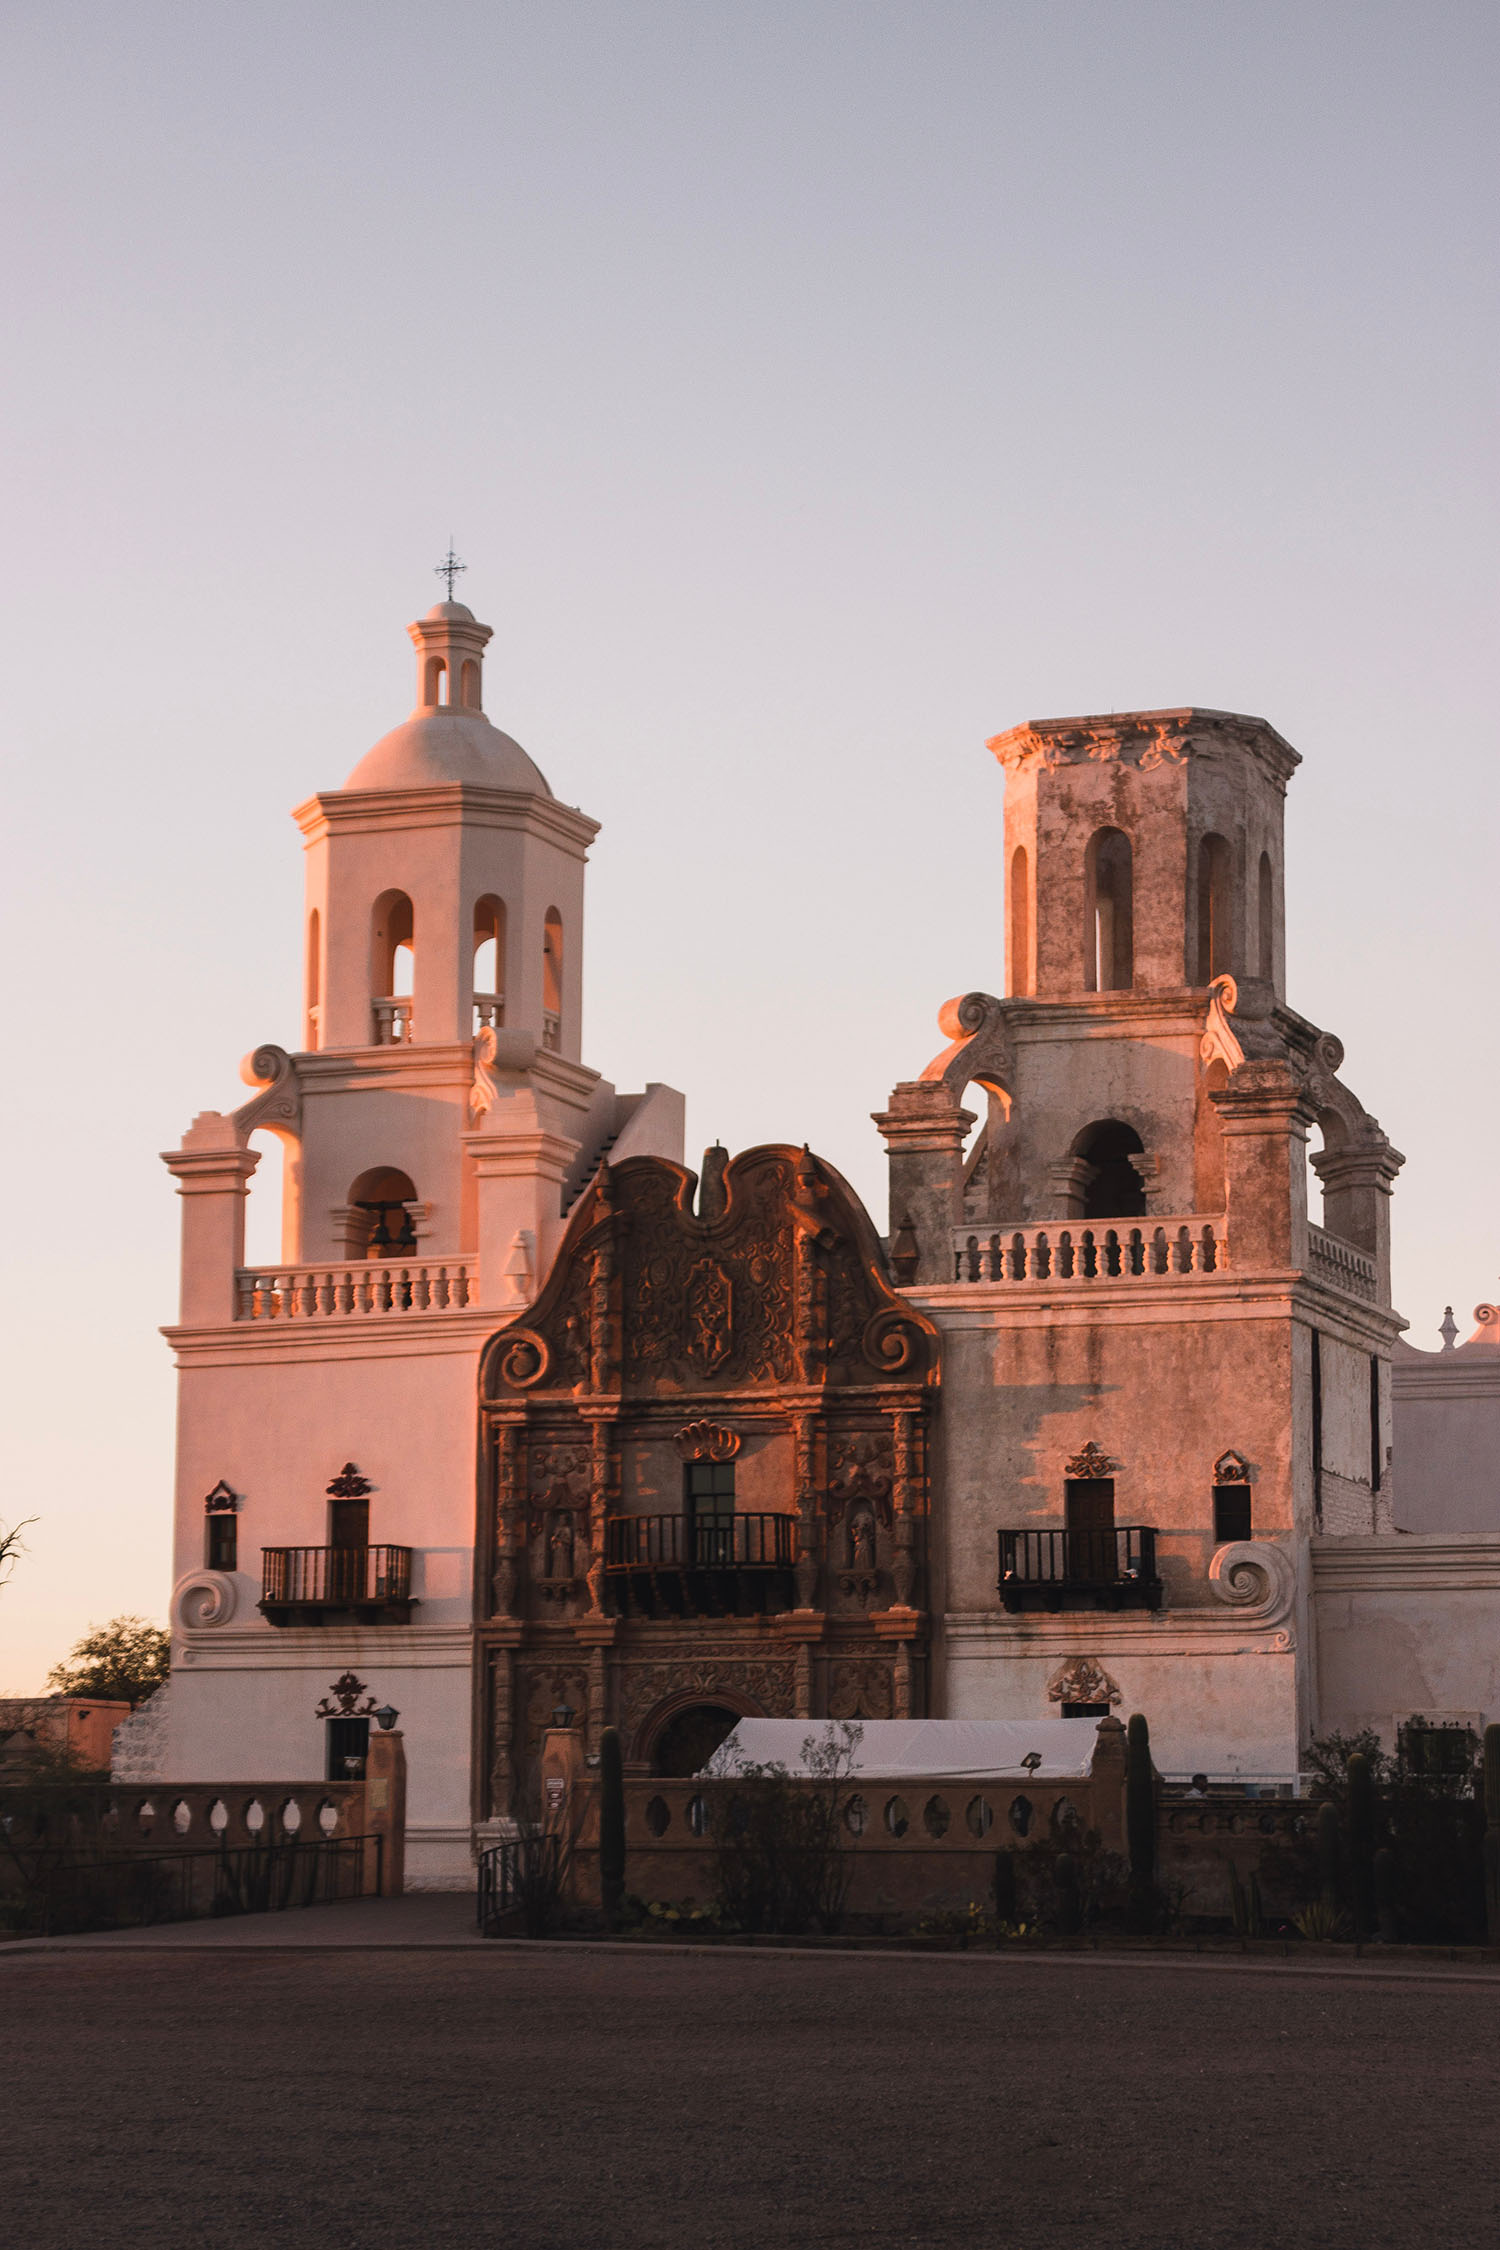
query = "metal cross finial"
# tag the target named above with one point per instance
(449, 568)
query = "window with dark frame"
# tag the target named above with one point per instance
(1231, 1513)
(348, 1747)
(223, 1540)
(708, 1504)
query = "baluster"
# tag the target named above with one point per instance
(1041, 1259)
(1207, 1258)
(1137, 1251)
(1113, 1264)
(1089, 1258)
(1012, 1261)
(1184, 1258)
(971, 1259)
(1065, 1259)
(1159, 1252)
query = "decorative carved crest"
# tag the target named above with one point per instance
(348, 1690)
(1082, 1680)
(1093, 1461)
(707, 1441)
(1233, 1468)
(222, 1501)
(349, 1484)
(708, 1306)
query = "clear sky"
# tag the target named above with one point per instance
(813, 390)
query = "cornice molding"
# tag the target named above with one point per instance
(445, 804)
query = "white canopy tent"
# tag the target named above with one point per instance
(921, 1749)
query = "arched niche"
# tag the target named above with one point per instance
(379, 1221)
(1215, 951)
(1109, 913)
(1111, 1185)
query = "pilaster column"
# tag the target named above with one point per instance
(923, 1131)
(507, 1526)
(212, 1170)
(1357, 1185)
(519, 1175)
(1265, 1115)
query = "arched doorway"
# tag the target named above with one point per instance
(690, 1737)
(1115, 1189)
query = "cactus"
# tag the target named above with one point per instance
(1362, 1842)
(1005, 1886)
(1069, 1910)
(611, 1824)
(1244, 1904)
(1383, 1870)
(1140, 1823)
(1329, 1855)
(1256, 1914)
(1492, 1833)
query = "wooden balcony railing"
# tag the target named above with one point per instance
(1080, 1569)
(301, 1585)
(675, 1566)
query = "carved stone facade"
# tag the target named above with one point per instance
(704, 1475)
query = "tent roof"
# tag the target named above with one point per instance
(922, 1749)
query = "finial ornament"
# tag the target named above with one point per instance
(450, 567)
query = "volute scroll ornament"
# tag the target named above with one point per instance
(980, 1053)
(203, 1598)
(525, 1358)
(892, 1341)
(277, 1107)
(1256, 1577)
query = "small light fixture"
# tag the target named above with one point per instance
(386, 1717)
(562, 1715)
(1032, 1760)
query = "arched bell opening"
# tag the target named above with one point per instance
(1112, 1185)
(382, 1220)
(1215, 948)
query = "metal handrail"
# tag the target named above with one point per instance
(335, 1574)
(677, 1542)
(1079, 1558)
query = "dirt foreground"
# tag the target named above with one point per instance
(559, 2100)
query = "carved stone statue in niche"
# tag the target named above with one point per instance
(560, 1547)
(862, 1540)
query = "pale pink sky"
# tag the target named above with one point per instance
(813, 390)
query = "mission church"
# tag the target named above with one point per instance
(529, 1418)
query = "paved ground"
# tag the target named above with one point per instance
(563, 2099)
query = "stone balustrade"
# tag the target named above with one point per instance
(168, 1816)
(1091, 1252)
(370, 1288)
(392, 1022)
(1339, 1265)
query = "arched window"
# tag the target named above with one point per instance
(1109, 937)
(489, 962)
(470, 678)
(435, 681)
(313, 1037)
(1020, 922)
(552, 980)
(380, 1223)
(1113, 1187)
(1215, 908)
(1266, 919)
(392, 967)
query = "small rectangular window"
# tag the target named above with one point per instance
(348, 1745)
(1231, 1513)
(223, 1541)
(1437, 1750)
(1085, 1710)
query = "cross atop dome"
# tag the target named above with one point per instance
(450, 567)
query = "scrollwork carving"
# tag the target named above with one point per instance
(203, 1598)
(1254, 1577)
(278, 1104)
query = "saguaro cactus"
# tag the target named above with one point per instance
(611, 1824)
(1384, 1874)
(1069, 1911)
(1140, 1822)
(1329, 1855)
(1492, 1833)
(1362, 1841)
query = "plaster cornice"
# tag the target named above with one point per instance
(1147, 739)
(1406, 1563)
(447, 804)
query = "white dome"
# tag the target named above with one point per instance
(438, 746)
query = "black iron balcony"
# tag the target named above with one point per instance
(1080, 1569)
(719, 1566)
(309, 1585)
